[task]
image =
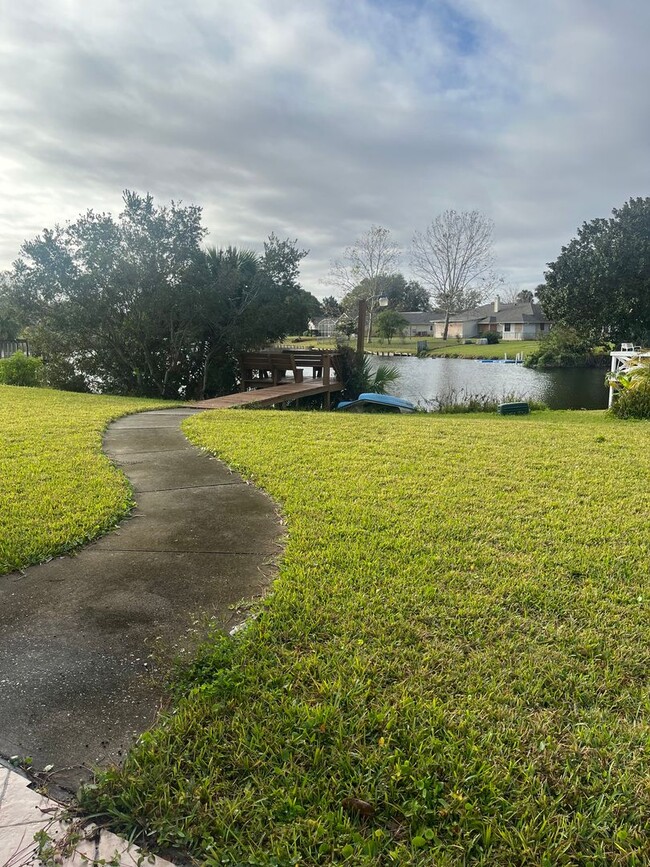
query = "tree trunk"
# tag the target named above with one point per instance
(204, 378)
(371, 307)
(446, 329)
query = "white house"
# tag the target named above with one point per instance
(420, 323)
(518, 321)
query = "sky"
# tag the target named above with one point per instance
(316, 119)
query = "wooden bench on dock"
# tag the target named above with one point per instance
(267, 369)
(321, 362)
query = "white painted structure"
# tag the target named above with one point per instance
(325, 326)
(623, 361)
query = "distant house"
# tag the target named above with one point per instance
(420, 323)
(325, 326)
(518, 321)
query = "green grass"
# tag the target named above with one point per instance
(460, 635)
(437, 346)
(56, 487)
(454, 349)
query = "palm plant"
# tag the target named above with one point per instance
(358, 375)
(632, 389)
(632, 376)
(384, 376)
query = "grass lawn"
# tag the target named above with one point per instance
(459, 636)
(56, 487)
(437, 347)
(496, 350)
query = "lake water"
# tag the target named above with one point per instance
(566, 388)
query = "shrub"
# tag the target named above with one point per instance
(632, 390)
(21, 369)
(564, 347)
(633, 402)
(492, 337)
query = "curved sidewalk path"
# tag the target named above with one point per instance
(77, 681)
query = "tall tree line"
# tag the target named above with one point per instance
(136, 305)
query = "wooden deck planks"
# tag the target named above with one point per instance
(269, 396)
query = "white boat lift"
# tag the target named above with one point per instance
(622, 361)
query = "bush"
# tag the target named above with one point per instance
(492, 337)
(21, 369)
(633, 402)
(564, 347)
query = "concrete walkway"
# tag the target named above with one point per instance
(77, 681)
(24, 813)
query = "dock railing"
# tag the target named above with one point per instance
(269, 367)
(622, 361)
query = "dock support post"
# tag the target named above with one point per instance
(326, 380)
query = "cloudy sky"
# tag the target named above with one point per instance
(317, 118)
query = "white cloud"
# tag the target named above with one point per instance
(316, 119)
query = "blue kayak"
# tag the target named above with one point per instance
(371, 401)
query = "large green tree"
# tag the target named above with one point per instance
(117, 295)
(281, 262)
(135, 305)
(600, 282)
(248, 301)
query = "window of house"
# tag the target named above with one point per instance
(506, 326)
(541, 326)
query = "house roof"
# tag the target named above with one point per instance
(524, 312)
(419, 317)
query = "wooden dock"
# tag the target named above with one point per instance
(269, 396)
(264, 383)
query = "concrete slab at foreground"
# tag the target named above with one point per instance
(82, 638)
(25, 813)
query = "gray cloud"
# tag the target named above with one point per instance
(315, 120)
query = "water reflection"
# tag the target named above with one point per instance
(427, 378)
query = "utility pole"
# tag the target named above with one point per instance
(361, 326)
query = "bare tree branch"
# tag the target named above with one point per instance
(372, 256)
(453, 258)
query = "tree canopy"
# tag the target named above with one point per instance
(524, 295)
(600, 282)
(372, 257)
(331, 307)
(402, 295)
(390, 323)
(453, 258)
(136, 305)
(9, 321)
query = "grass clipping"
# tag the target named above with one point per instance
(453, 665)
